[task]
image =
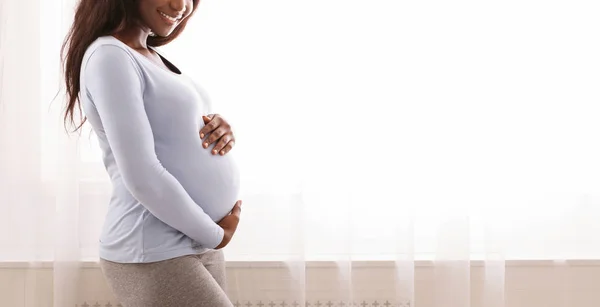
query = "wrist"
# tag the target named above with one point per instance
(219, 236)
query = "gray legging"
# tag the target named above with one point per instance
(188, 281)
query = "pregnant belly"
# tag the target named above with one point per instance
(212, 181)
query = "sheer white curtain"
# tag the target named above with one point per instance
(39, 198)
(382, 133)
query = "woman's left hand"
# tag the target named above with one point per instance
(219, 131)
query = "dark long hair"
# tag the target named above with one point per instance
(93, 19)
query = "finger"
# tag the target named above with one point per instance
(237, 208)
(212, 125)
(227, 148)
(207, 119)
(209, 127)
(226, 139)
(215, 136)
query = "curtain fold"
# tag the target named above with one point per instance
(39, 199)
(392, 153)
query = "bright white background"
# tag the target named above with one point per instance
(379, 130)
(365, 130)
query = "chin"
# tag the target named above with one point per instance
(163, 33)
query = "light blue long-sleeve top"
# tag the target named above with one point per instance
(168, 191)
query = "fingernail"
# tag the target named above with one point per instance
(214, 152)
(201, 135)
(205, 145)
(222, 152)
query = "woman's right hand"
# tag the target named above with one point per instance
(230, 223)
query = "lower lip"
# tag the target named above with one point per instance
(167, 20)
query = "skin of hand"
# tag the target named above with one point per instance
(219, 132)
(229, 224)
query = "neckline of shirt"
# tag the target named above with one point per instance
(138, 54)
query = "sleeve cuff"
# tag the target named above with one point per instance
(218, 237)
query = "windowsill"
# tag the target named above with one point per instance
(326, 264)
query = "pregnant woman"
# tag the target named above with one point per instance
(174, 202)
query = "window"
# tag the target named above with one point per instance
(387, 129)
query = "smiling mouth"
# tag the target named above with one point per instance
(170, 18)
